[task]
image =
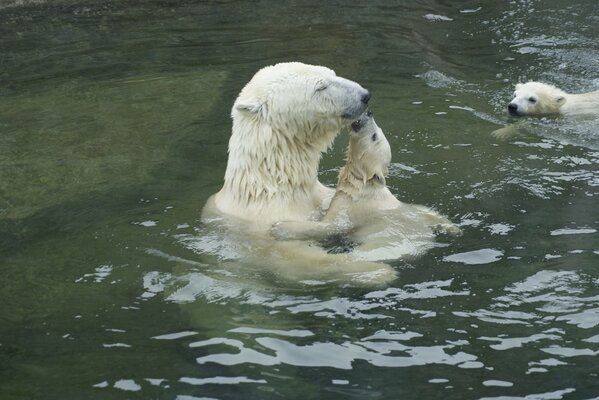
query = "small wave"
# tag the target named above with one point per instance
(476, 257)
(385, 350)
(437, 18)
(437, 79)
(20, 3)
(16, 4)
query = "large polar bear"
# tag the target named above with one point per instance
(283, 119)
(536, 98)
(364, 211)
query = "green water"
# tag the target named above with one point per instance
(114, 122)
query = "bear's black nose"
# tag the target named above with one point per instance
(366, 97)
(512, 108)
(357, 125)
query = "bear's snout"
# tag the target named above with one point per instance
(513, 108)
(357, 125)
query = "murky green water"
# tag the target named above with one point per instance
(113, 132)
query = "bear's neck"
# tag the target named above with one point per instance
(584, 103)
(267, 165)
(353, 182)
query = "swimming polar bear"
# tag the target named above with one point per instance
(285, 117)
(536, 98)
(540, 99)
(364, 211)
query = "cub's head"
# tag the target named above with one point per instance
(369, 151)
(298, 99)
(536, 98)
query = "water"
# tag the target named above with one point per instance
(113, 134)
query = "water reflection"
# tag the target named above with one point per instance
(378, 352)
(547, 303)
(268, 347)
(544, 304)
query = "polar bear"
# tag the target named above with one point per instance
(363, 210)
(283, 119)
(536, 98)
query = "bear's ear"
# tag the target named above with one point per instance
(560, 99)
(518, 86)
(252, 108)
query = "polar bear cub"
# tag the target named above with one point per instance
(364, 211)
(536, 98)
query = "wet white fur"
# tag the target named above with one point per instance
(283, 119)
(536, 98)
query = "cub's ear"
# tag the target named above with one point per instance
(560, 99)
(518, 86)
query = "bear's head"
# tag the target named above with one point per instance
(303, 102)
(536, 98)
(369, 152)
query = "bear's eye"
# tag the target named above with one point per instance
(321, 86)
(532, 99)
(374, 137)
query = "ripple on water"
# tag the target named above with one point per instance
(437, 79)
(302, 347)
(572, 231)
(475, 257)
(555, 395)
(220, 380)
(377, 350)
(437, 18)
(550, 304)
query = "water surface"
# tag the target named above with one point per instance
(115, 122)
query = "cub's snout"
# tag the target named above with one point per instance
(358, 124)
